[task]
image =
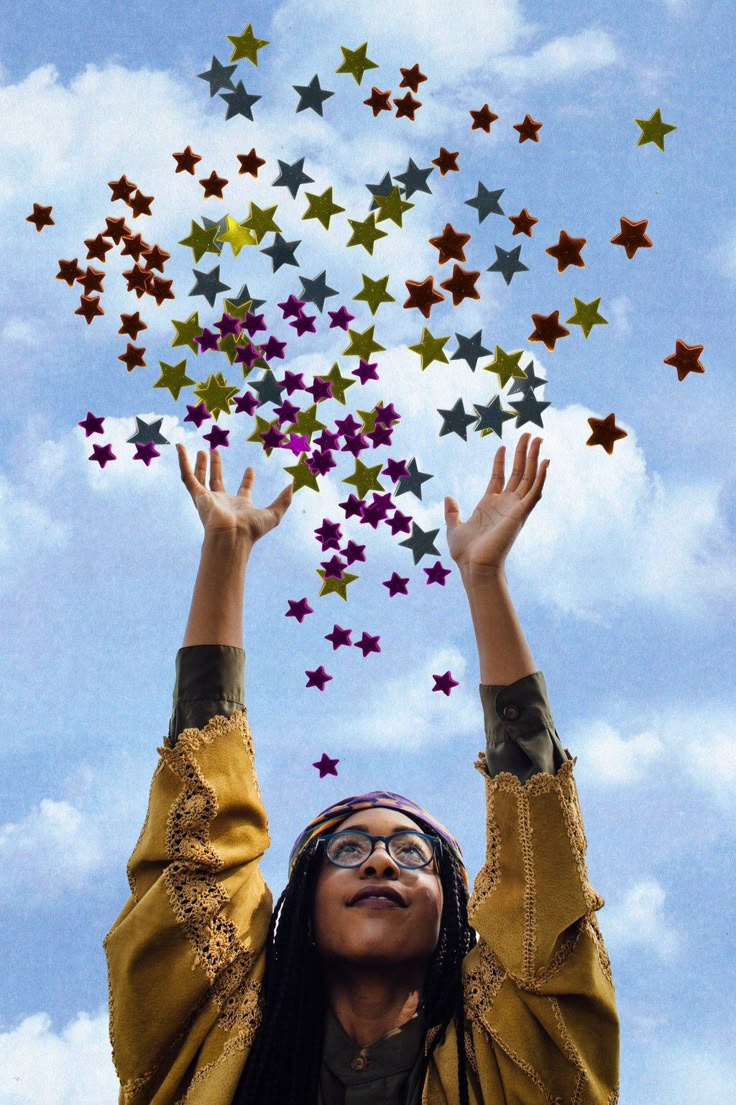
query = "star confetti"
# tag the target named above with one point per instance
(456, 420)
(356, 62)
(318, 678)
(605, 432)
(547, 329)
(91, 424)
(322, 207)
(312, 95)
(483, 119)
(325, 765)
(336, 586)
(632, 236)
(367, 644)
(423, 295)
(298, 609)
(461, 285)
(406, 106)
(444, 683)
(685, 359)
(339, 637)
(40, 217)
(174, 378)
(587, 315)
(378, 101)
(437, 573)
(421, 542)
(653, 130)
(508, 262)
(102, 454)
(218, 76)
(246, 45)
(567, 251)
(446, 161)
(470, 349)
(396, 585)
(528, 129)
(430, 349)
(186, 160)
(486, 202)
(411, 78)
(450, 244)
(523, 222)
(250, 162)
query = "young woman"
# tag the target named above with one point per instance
(374, 981)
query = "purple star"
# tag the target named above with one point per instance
(254, 323)
(333, 567)
(217, 437)
(368, 644)
(325, 765)
(384, 500)
(347, 425)
(291, 307)
(228, 325)
(272, 438)
(328, 534)
(386, 416)
(320, 389)
(437, 574)
(339, 636)
(353, 507)
(292, 381)
(396, 585)
(396, 470)
(298, 443)
(102, 454)
(246, 404)
(373, 515)
(298, 608)
(91, 424)
(273, 348)
(353, 552)
(327, 440)
(197, 414)
(321, 463)
(400, 523)
(146, 451)
(247, 355)
(208, 339)
(366, 371)
(304, 324)
(318, 677)
(287, 412)
(341, 318)
(355, 444)
(381, 435)
(444, 683)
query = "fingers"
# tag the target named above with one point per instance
(452, 513)
(281, 503)
(535, 492)
(192, 481)
(200, 469)
(246, 484)
(216, 481)
(520, 463)
(495, 484)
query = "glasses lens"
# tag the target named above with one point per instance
(352, 849)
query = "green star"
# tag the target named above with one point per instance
(247, 45)
(586, 315)
(368, 418)
(506, 365)
(653, 130)
(237, 235)
(363, 345)
(364, 479)
(365, 234)
(302, 475)
(187, 331)
(322, 207)
(392, 206)
(340, 384)
(261, 221)
(374, 293)
(228, 345)
(202, 240)
(173, 377)
(430, 349)
(356, 62)
(239, 312)
(262, 426)
(307, 422)
(336, 586)
(216, 394)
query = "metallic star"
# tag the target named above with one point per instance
(506, 365)
(339, 383)
(261, 221)
(686, 358)
(365, 479)
(547, 329)
(216, 394)
(302, 475)
(365, 233)
(292, 176)
(246, 45)
(523, 223)
(483, 119)
(470, 349)
(605, 432)
(586, 315)
(430, 349)
(529, 409)
(653, 130)
(378, 101)
(415, 179)
(218, 76)
(41, 217)
(413, 482)
(374, 293)
(335, 586)
(446, 161)
(243, 302)
(322, 207)
(202, 240)
(237, 235)
(423, 295)
(456, 421)
(450, 244)
(383, 188)
(174, 377)
(528, 129)
(485, 202)
(356, 62)
(362, 345)
(282, 252)
(421, 542)
(567, 251)
(491, 417)
(267, 388)
(312, 95)
(239, 102)
(148, 431)
(529, 382)
(632, 236)
(461, 285)
(508, 262)
(316, 290)
(392, 207)
(209, 285)
(406, 106)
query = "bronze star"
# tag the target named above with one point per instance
(378, 101)
(686, 358)
(41, 217)
(133, 357)
(132, 325)
(97, 248)
(140, 204)
(89, 307)
(523, 223)
(412, 78)
(213, 185)
(121, 189)
(461, 285)
(139, 279)
(423, 295)
(547, 329)
(134, 246)
(632, 236)
(156, 258)
(450, 244)
(69, 271)
(446, 162)
(91, 280)
(406, 106)
(160, 289)
(567, 251)
(483, 118)
(605, 432)
(117, 229)
(186, 160)
(250, 162)
(528, 129)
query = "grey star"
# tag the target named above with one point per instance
(415, 179)
(421, 542)
(218, 76)
(244, 297)
(267, 388)
(209, 284)
(239, 102)
(220, 223)
(456, 421)
(485, 202)
(508, 262)
(312, 95)
(492, 416)
(317, 290)
(470, 349)
(291, 176)
(384, 188)
(529, 382)
(413, 482)
(529, 409)
(281, 252)
(148, 431)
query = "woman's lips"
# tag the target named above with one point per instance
(377, 903)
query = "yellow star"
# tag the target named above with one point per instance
(237, 235)
(216, 394)
(247, 45)
(302, 475)
(430, 349)
(187, 331)
(363, 345)
(653, 130)
(375, 292)
(356, 62)
(261, 221)
(365, 479)
(366, 234)
(506, 365)
(307, 422)
(392, 206)
(228, 346)
(340, 384)
(173, 377)
(239, 312)
(586, 315)
(336, 586)
(321, 207)
(368, 418)
(201, 240)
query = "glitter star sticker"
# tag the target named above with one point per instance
(336, 586)
(365, 479)
(653, 130)
(605, 432)
(632, 236)
(216, 394)
(685, 359)
(356, 62)
(392, 206)
(587, 315)
(322, 207)
(186, 331)
(246, 45)
(430, 349)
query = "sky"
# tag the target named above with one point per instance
(623, 576)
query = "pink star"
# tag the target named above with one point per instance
(444, 683)
(386, 416)
(353, 507)
(287, 412)
(146, 451)
(91, 424)
(327, 440)
(381, 435)
(320, 389)
(347, 425)
(321, 463)
(208, 339)
(197, 414)
(254, 323)
(317, 678)
(247, 355)
(217, 437)
(298, 608)
(102, 454)
(338, 637)
(228, 325)
(325, 765)
(355, 444)
(400, 523)
(396, 585)
(333, 567)
(437, 574)
(292, 381)
(341, 318)
(368, 644)
(298, 443)
(272, 438)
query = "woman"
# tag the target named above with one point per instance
(366, 984)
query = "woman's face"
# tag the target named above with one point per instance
(365, 934)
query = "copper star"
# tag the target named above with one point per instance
(132, 325)
(250, 162)
(632, 236)
(121, 189)
(213, 185)
(97, 248)
(450, 244)
(41, 217)
(186, 160)
(483, 118)
(89, 307)
(140, 204)
(547, 329)
(686, 358)
(605, 432)
(160, 289)
(567, 251)
(411, 78)
(139, 279)
(117, 229)
(133, 357)
(462, 285)
(378, 101)
(156, 257)
(423, 295)
(523, 223)
(446, 162)
(91, 280)
(406, 106)
(69, 271)
(528, 129)
(134, 246)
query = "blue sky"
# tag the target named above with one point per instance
(623, 576)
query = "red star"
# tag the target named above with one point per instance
(686, 358)
(91, 280)
(325, 765)
(450, 244)
(89, 307)
(406, 106)
(69, 271)
(213, 185)
(132, 325)
(139, 279)
(411, 78)
(423, 295)
(161, 289)
(483, 118)
(41, 217)
(186, 160)
(461, 285)
(156, 258)
(97, 248)
(250, 162)
(378, 101)
(528, 129)
(140, 204)
(446, 162)
(605, 432)
(567, 251)
(523, 223)
(133, 357)
(121, 189)
(134, 246)
(547, 329)
(117, 229)
(632, 236)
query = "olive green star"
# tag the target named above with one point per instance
(363, 345)
(336, 586)
(340, 384)
(430, 349)
(356, 62)
(261, 221)
(374, 292)
(322, 207)
(262, 426)
(653, 130)
(237, 235)
(392, 206)
(187, 331)
(506, 365)
(307, 422)
(247, 45)
(202, 239)
(366, 234)
(229, 346)
(302, 475)
(239, 311)
(174, 377)
(216, 394)
(364, 479)
(586, 315)
(368, 418)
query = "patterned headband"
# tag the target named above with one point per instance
(330, 818)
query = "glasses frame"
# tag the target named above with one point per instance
(433, 841)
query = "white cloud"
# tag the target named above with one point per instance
(39, 1066)
(19, 331)
(27, 528)
(55, 847)
(620, 310)
(566, 57)
(611, 758)
(638, 921)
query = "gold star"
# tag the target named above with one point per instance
(307, 422)
(336, 586)
(653, 130)
(586, 315)
(368, 418)
(392, 206)
(261, 221)
(247, 45)
(430, 349)
(506, 365)
(237, 235)
(365, 479)
(322, 207)
(340, 384)
(374, 293)
(363, 345)
(366, 233)
(302, 475)
(356, 62)
(187, 331)
(216, 394)
(201, 240)
(174, 377)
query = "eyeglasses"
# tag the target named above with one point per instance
(351, 847)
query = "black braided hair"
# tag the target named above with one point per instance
(284, 1062)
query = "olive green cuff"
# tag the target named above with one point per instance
(520, 731)
(210, 681)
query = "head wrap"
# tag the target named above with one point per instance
(329, 819)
